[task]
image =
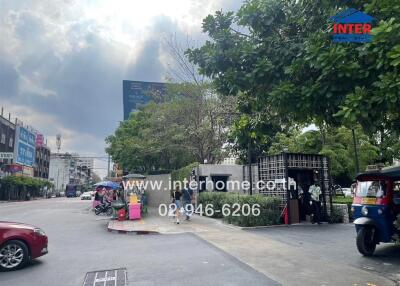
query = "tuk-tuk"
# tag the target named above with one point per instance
(376, 205)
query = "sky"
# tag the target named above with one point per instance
(62, 62)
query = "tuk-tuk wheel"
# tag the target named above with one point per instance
(366, 241)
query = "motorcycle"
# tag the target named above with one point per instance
(103, 208)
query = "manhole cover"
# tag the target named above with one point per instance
(113, 277)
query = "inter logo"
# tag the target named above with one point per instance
(352, 26)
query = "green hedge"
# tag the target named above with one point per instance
(182, 173)
(18, 187)
(335, 215)
(269, 208)
(397, 225)
(348, 201)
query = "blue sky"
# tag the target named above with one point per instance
(62, 62)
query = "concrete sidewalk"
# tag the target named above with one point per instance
(153, 223)
(282, 262)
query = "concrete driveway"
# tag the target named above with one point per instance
(336, 242)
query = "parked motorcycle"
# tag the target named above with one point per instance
(103, 208)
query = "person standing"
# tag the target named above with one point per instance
(177, 194)
(300, 198)
(187, 201)
(315, 193)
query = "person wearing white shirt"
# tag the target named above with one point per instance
(315, 192)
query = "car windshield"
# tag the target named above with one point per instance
(371, 189)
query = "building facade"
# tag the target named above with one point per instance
(42, 162)
(219, 177)
(86, 162)
(7, 143)
(66, 168)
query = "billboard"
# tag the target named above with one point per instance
(27, 171)
(14, 168)
(39, 140)
(137, 93)
(24, 146)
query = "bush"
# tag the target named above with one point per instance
(182, 173)
(217, 199)
(335, 215)
(269, 208)
(18, 187)
(397, 225)
(348, 201)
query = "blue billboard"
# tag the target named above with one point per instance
(25, 146)
(138, 93)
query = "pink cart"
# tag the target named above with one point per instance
(134, 211)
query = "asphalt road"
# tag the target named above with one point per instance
(79, 243)
(337, 243)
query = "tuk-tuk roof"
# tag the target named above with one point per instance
(389, 172)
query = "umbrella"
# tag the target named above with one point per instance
(107, 184)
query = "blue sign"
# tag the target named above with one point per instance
(352, 26)
(25, 147)
(138, 93)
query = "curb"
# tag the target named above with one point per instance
(236, 227)
(285, 225)
(135, 232)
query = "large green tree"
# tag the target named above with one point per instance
(350, 84)
(338, 147)
(190, 124)
(278, 57)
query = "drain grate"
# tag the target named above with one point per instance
(112, 277)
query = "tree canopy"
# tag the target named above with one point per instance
(189, 126)
(278, 57)
(278, 71)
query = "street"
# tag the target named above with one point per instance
(79, 243)
(210, 253)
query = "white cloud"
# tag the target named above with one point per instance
(62, 62)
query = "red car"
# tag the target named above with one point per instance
(20, 243)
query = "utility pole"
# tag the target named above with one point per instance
(250, 170)
(108, 166)
(355, 151)
(58, 142)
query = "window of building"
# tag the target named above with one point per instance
(11, 142)
(3, 138)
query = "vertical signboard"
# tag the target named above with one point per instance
(137, 93)
(39, 140)
(24, 146)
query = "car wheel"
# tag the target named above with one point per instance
(366, 244)
(13, 255)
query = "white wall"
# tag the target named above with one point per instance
(234, 173)
(59, 172)
(158, 196)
